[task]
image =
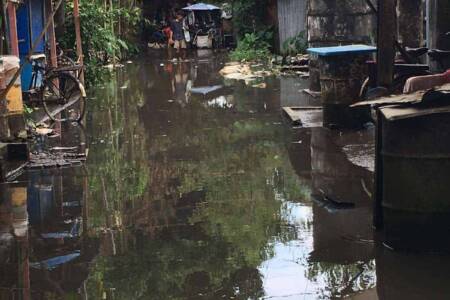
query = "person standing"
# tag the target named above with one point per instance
(177, 36)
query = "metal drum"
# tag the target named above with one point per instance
(413, 171)
(341, 78)
(336, 22)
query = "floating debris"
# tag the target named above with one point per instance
(262, 85)
(44, 160)
(43, 131)
(54, 262)
(205, 90)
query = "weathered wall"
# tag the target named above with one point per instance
(291, 19)
(337, 22)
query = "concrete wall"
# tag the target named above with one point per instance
(291, 19)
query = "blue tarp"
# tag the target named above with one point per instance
(342, 50)
(201, 6)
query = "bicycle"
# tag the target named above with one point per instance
(61, 93)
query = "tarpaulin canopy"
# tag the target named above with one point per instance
(201, 6)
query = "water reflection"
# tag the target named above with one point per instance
(52, 256)
(200, 196)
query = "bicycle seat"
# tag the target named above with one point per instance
(416, 52)
(438, 55)
(35, 57)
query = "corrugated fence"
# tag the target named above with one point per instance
(291, 18)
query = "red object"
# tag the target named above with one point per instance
(447, 75)
(167, 31)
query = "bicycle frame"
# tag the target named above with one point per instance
(38, 71)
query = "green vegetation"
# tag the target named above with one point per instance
(254, 46)
(295, 45)
(254, 32)
(109, 32)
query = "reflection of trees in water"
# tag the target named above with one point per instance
(209, 205)
(117, 174)
(343, 256)
(340, 281)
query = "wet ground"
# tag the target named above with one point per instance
(198, 188)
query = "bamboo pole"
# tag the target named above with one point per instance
(76, 20)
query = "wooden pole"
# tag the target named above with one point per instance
(410, 23)
(4, 48)
(76, 20)
(14, 41)
(51, 33)
(387, 30)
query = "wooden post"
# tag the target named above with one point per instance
(14, 41)
(387, 30)
(410, 23)
(4, 48)
(76, 20)
(51, 33)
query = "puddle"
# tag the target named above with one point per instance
(187, 197)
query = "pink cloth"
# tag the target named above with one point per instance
(447, 74)
(420, 83)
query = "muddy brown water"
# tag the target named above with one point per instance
(203, 195)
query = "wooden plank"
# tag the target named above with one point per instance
(305, 116)
(394, 113)
(403, 98)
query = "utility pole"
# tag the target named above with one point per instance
(387, 31)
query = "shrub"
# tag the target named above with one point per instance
(295, 45)
(253, 47)
(100, 39)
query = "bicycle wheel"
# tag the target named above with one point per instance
(64, 98)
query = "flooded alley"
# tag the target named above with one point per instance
(197, 187)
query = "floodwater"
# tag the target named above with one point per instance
(197, 188)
